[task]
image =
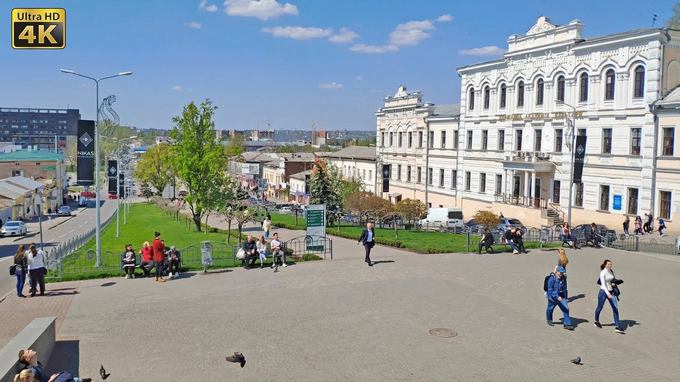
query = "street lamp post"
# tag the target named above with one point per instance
(96, 154)
(573, 143)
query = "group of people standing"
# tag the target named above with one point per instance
(154, 256)
(641, 228)
(557, 293)
(31, 262)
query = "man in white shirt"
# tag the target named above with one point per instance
(37, 270)
(278, 252)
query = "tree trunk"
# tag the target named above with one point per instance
(240, 228)
(197, 222)
(228, 231)
(207, 227)
(396, 233)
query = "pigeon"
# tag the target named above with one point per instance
(103, 372)
(576, 361)
(237, 358)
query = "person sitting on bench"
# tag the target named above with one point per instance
(174, 259)
(567, 236)
(594, 236)
(147, 259)
(486, 241)
(129, 261)
(277, 251)
(518, 240)
(250, 248)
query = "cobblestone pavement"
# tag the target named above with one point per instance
(340, 320)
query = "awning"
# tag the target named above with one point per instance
(538, 166)
(394, 194)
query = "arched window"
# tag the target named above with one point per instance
(539, 91)
(504, 93)
(583, 87)
(471, 99)
(520, 94)
(609, 85)
(560, 88)
(487, 93)
(639, 84)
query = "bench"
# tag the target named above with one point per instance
(39, 335)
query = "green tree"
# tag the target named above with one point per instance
(487, 219)
(411, 209)
(146, 190)
(198, 159)
(325, 185)
(235, 147)
(348, 188)
(674, 21)
(155, 167)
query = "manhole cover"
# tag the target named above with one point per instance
(443, 332)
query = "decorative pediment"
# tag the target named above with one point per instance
(543, 24)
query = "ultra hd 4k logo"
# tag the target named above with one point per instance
(38, 28)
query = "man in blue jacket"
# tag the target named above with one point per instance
(368, 240)
(557, 296)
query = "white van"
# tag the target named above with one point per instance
(447, 218)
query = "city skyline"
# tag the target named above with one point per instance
(285, 64)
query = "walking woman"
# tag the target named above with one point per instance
(607, 292)
(626, 224)
(20, 269)
(36, 267)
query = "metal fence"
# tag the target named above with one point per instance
(633, 243)
(318, 245)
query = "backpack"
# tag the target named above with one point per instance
(545, 281)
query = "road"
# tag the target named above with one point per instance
(56, 230)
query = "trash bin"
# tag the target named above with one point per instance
(206, 255)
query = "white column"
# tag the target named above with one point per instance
(532, 189)
(527, 187)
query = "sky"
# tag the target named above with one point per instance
(288, 64)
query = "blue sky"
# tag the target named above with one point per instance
(290, 63)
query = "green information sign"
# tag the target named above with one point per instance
(315, 218)
(316, 225)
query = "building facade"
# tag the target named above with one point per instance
(666, 177)
(355, 162)
(44, 129)
(519, 114)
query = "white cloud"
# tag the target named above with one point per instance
(177, 88)
(331, 86)
(444, 18)
(204, 6)
(373, 49)
(298, 33)
(490, 50)
(359, 78)
(194, 25)
(411, 33)
(261, 9)
(344, 36)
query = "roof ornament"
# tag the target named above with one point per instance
(543, 24)
(401, 92)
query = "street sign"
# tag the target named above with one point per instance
(616, 206)
(316, 220)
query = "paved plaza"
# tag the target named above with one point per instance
(340, 320)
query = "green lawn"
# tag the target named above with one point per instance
(288, 221)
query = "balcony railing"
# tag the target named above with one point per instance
(520, 200)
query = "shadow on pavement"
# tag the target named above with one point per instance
(382, 262)
(216, 271)
(111, 283)
(65, 357)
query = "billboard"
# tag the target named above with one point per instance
(85, 153)
(579, 158)
(250, 169)
(112, 173)
(386, 178)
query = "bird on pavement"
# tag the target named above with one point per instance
(102, 372)
(237, 358)
(576, 361)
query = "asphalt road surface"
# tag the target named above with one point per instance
(56, 229)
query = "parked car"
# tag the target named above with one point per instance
(113, 195)
(83, 202)
(13, 228)
(286, 210)
(512, 222)
(443, 218)
(64, 211)
(473, 227)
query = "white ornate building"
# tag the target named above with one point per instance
(515, 136)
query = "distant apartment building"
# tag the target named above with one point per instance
(355, 162)
(44, 129)
(278, 171)
(261, 135)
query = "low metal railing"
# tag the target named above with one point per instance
(302, 245)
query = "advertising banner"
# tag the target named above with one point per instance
(316, 227)
(112, 173)
(579, 158)
(121, 185)
(386, 178)
(85, 153)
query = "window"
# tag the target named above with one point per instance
(398, 172)
(518, 140)
(504, 93)
(382, 139)
(455, 139)
(499, 183)
(560, 88)
(454, 179)
(609, 84)
(467, 180)
(559, 134)
(370, 174)
(419, 175)
(538, 134)
(469, 140)
(391, 139)
(430, 141)
(487, 93)
(583, 87)
(635, 140)
(604, 198)
(633, 201)
(556, 191)
(441, 177)
(443, 139)
(668, 138)
(485, 138)
(482, 183)
(578, 198)
(606, 141)
(429, 176)
(501, 139)
(520, 94)
(471, 99)
(408, 173)
(420, 139)
(400, 139)
(363, 173)
(539, 91)
(639, 82)
(410, 139)
(665, 204)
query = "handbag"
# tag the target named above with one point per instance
(241, 254)
(12, 269)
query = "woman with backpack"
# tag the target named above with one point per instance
(20, 269)
(608, 291)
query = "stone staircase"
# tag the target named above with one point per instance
(554, 215)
